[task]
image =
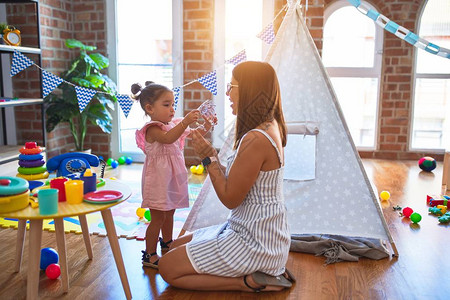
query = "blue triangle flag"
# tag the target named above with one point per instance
(267, 34)
(49, 82)
(19, 62)
(125, 104)
(209, 81)
(84, 95)
(176, 94)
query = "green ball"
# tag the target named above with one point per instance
(122, 160)
(415, 217)
(147, 215)
(109, 161)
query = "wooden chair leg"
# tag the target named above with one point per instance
(113, 241)
(34, 258)
(61, 242)
(21, 232)
(86, 236)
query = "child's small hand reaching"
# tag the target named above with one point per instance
(191, 117)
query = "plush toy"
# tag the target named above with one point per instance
(427, 163)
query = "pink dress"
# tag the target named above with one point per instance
(164, 176)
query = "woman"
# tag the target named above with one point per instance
(249, 251)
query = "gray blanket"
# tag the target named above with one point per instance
(339, 248)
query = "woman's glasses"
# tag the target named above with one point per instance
(230, 86)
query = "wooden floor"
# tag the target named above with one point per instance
(421, 271)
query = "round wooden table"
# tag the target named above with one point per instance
(67, 210)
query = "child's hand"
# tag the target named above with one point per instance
(191, 117)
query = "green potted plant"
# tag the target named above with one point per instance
(3, 26)
(63, 106)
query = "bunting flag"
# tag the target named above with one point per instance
(241, 56)
(176, 94)
(209, 81)
(50, 82)
(84, 96)
(19, 62)
(267, 34)
(125, 104)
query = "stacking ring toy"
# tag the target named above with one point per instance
(33, 176)
(30, 156)
(31, 163)
(29, 171)
(27, 151)
(12, 185)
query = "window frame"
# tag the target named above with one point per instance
(366, 72)
(416, 76)
(219, 61)
(177, 58)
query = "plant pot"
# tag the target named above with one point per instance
(88, 151)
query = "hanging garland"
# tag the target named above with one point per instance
(400, 31)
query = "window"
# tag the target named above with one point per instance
(431, 123)
(147, 42)
(352, 46)
(237, 23)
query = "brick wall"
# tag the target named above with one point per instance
(60, 20)
(85, 21)
(198, 30)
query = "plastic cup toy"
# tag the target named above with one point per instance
(58, 183)
(208, 111)
(74, 191)
(48, 201)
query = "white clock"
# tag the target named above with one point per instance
(11, 36)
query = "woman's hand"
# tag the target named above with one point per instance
(202, 147)
(191, 117)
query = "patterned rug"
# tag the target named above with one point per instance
(128, 224)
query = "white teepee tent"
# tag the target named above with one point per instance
(326, 189)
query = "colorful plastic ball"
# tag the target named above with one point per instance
(385, 195)
(199, 169)
(407, 211)
(193, 169)
(121, 160)
(147, 215)
(128, 160)
(427, 163)
(114, 164)
(415, 217)
(140, 212)
(53, 271)
(109, 161)
(48, 256)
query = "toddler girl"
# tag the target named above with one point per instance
(164, 176)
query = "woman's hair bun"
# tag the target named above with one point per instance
(147, 83)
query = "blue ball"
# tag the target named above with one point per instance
(128, 160)
(114, 164)
(48, 256)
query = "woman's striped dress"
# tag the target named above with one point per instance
(256, 236)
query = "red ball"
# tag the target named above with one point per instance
(407, 211)
(53, 271)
